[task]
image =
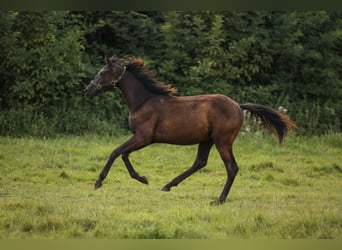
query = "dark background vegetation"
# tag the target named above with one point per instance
(289, 59)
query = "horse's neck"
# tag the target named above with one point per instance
(134, 92)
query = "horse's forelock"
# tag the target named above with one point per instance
(138, 61)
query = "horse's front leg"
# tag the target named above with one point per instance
(132, 144)
(132, 171)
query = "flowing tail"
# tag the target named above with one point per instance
(278, 123)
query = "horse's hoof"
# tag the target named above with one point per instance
(98, 184)
(166, 189)
(216, 202)
(143, 179)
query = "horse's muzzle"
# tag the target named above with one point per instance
(87, 93)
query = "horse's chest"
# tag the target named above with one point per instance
(142, 120)
(132, 122)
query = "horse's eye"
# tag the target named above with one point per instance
(102, 73)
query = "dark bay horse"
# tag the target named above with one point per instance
(156, 115)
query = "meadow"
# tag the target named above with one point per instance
(294, 191)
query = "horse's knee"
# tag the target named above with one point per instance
(201, 163)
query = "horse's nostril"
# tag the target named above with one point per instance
(86, 91)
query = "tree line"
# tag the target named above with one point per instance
(289, 59)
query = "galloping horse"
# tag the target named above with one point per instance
(156, 115)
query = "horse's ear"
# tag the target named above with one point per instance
(108, 61)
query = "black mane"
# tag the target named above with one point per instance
(146, 76)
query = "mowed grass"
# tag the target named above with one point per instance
(46, 190)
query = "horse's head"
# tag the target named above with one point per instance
(106, 79)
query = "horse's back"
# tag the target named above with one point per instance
(215, 107)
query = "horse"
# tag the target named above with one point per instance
(157, 115)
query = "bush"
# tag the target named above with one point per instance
(289, 59)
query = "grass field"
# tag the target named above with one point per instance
(46, 190)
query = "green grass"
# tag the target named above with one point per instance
(46, 190)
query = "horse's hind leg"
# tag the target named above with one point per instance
(200, 162)
(227, 156)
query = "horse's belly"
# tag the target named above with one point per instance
(185, 132)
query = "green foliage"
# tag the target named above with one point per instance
(290, 59)
(44, 58)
